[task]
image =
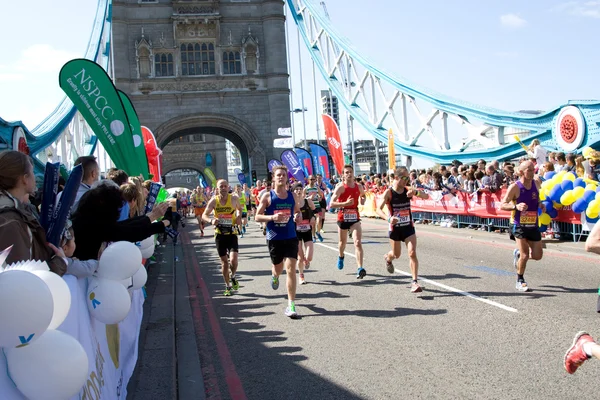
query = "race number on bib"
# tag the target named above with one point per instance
(287, 213)
(225, 222)
(403, 217)
(350, 215)
(528, 218)
(303, 226)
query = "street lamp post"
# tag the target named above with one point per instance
(296, 111)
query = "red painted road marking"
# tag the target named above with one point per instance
(211, 383)
(234, 384)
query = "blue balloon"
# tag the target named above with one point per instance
(589, 195)
(591, 220)
(548, 175)
(539, 211)
(579, 182)
(566, 185)
(579, 206)
(548, 204)
(552, 213)
(598, 189)
(543, 228)
(556, 192)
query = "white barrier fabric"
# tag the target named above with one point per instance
(112, 350)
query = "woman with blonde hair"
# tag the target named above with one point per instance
(133, 196)
(537, 152)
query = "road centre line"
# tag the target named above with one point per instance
(443, 286)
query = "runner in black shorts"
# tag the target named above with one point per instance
(303, 232)
(315, 194)
(396, 200)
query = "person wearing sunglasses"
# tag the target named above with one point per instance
(396, 200)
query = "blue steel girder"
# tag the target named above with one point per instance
(378, 101)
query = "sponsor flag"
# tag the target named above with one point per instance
(334, 142)
(391, 151)
(284, 143)
(152, 195)
(284, 131)
(49, 192)
(290, 160)
(305, 160)
(242, 178)
(273, 163)
(211, 177)
(139, 163)
(91, 90)
(202, 180)
(63, 207)
(320, 160)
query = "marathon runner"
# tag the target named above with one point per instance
(315, 194)
(522, 198)
(303, 231)
(199, 203)
(243, 201)
(396, 200)
(345, 199)
(227, 216)
(265, 189)
(323, 203)
(279, 209)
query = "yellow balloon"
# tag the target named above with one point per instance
(561, 174)
(569, 177)
(550, 185)
(557, 206)
(545, 219)
(578, 192)
(591, 213)
(594, 205)
(591, 187)
(567, 198)
(543, 195)
(598, 196)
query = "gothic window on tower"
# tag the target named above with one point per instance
(197, 59)
(163, 64)
(232, 62)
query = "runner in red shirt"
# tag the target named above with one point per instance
(345, 198)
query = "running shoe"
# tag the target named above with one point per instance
(576, 356)
(275, 282)
(319, 236)
(322, 231)
(201, 233)
(265, 231)
(302, 281)
(516, 256)
(521, 286)
(227, 292)
(415, 288)
(361, 273)
(290, 311)
(235, 284)
(388, 265)
(340, 263)
(243, 229)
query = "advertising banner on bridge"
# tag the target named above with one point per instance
(139, 160)
(320, 160)
(391, 151)
(202, 180)
(273, 163)
(305, 160)
(91, 90)
(153, 154)
(210, 176)
(290, 160)
(334, 142)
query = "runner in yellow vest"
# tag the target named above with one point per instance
(227, 216)
(243, 202)
(199, 203)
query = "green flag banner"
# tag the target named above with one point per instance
(139, 160)
(89, 87)
(211, 177)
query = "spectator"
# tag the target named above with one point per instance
(570, 166)
(18, 225)
(537, 152)
(561, 162)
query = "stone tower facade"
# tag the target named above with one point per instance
(216, 67)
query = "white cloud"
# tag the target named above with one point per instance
(589, 9)
(512, 21)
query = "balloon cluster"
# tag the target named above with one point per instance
(43, 363)
(566, 189)
(119, 269)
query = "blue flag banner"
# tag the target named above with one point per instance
(62, 209)
(242, 178)
(202, 180)
(273, 163)
(49, 191)
(320, 160)
(290, 160)
(151, 199)
(305, 160)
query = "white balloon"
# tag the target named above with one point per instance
(26, 308)
(120, 260)
(140, 278)
(60, 295)
(146, 247)
(53, 367)
(108, 301)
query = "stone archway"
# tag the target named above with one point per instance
(182, 181)
(235, 130)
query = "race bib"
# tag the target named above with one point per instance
(287, 213)
(528, 218)
(403, 217)
(350, 215)
(225, 222)
(303, 226)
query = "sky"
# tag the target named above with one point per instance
(511, 55)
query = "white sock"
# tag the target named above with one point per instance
(587, 348)
(290, 303)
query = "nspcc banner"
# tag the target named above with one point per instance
(305, 160)
(332, 133)
(139, 161)
(320, 160)
(89, 87)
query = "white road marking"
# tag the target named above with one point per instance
(441, 285)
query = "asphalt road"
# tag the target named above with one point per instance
(468, 335)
